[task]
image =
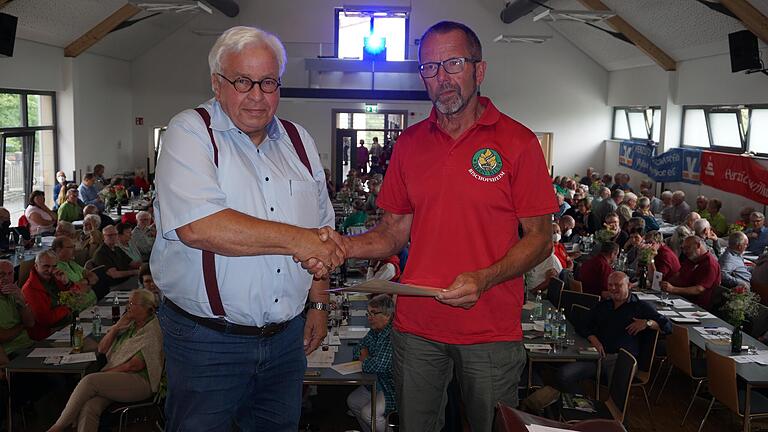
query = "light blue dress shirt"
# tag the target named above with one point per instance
(268, 182)
(90, 195)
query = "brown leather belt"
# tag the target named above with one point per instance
(223, 326)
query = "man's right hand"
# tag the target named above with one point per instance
(597, 344)
(321, 252)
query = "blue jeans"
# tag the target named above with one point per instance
(218, 380)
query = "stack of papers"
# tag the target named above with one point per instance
(713, 333)
(78, 358)
(647, 297)
(667, 312)
(352, 332)
(538, 347)
(321, 359)
(349, 367)
(698, 315)
(760, 358)
(50, 352)
(681, 304)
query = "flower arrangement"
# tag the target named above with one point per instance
(736, 227)
(77, 300)
(605, 235)
(741, 304)
(113, 195)
(646, 253)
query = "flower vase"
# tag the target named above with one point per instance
(736, 339)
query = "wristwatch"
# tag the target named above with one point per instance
(319, 306)
(649, 323)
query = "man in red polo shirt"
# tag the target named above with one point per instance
(594, 273)
(459, 184)
(699, 273)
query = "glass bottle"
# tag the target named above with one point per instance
(115, 309)
(96, 322)
(77, 340)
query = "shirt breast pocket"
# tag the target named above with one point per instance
(304, 206)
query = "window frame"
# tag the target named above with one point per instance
(643, 109)
(743, 136)
(371, 10)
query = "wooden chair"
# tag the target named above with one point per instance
(25, 268)
(575, 286)
(569, 298)
(648, 341)
(554, 288)
(723, 385)
(679, 354)
(618, 393)
(509, 419)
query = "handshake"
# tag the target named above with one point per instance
(322, 251)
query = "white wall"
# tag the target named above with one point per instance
(552, 87)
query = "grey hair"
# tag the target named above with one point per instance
(644, 202)
(147, 297)
(237, 38)
(66, 226)
(737, 238)
(666, 194)
(96, 220)
(383, 303)
(700, 225)
(629, 196)
(654, 236)
(757, 215)
(46, 253)
(679, 194)
(142, 213)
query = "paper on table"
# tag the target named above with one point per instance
(321, 359)
(529, 305)
(667, 312)
(78, 358)
(656, 285)
(349, 367)
(386, 287)
(358, 312)
(540, 428)
(352, 332)
(698, 315)
(527, 326)
(647, 297)
(538, 347)
(685, 320)
(49, 352)
(332, 339)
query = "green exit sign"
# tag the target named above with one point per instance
(371, 108)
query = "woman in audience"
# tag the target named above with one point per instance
(682, 232)
(140, 183)
(644, 211)
(42, 220)
(124, 232)
(375, 352)
(133, 348)
(91, 237)
(84, 280)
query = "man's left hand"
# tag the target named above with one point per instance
(12, 290)
(637, 326)
(465, 290)
(315, 330)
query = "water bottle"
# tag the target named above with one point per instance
(96, 322)
(548, 324)
(38, 241)
(77, 343)
(555, 326)
(538, 308)
(20, 247)
(115, 309)
(563, 325)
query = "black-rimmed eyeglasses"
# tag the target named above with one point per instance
(244, 85)
(451, 66)
(371, 314)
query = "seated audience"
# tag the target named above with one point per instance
(559, 249)
(587, 179)
(699, 273)
(644, 211)
(733, 272)
(702, 206)
(147, 282)
(119, 267)
(580, 215)
(715, 218)
(104, 220)
(91, 237)
(627, 207)
(15, 315)
(61, 183)
(607, 206)
(567, 230)
(682, 232)
(757, 233)
(667, 206)
(124, 233)
(42, 220)
(656, 205)
(140, 183)
(632, 247)
(615, 323)
(680, 208)
(133, 349)
(9, 235)
(100, 181)
(564, 206)
(702, 228)
(665, 261)
(594, 273)
(83, 281)
(375, 352)
(41, 292)
(745, 215)
(143, 235)
(70, 211)
(357, 218)
(612, 224)
(537, 279)
(89, 193)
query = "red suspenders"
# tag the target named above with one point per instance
(209, 258)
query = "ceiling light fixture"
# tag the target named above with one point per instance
(574, 15)
(533, 39)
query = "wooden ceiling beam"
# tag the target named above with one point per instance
(752, 18)
(101, 29)
(643, 43)
(4, 2)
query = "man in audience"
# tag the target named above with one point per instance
(89, 194)
(644, 211)
(612, 224)
(104, 220)
(562, 204)
(656, 205)
(745, 215)
(70, 211)
(757, 233)
(125, 241)
(41, 292)
(667, 206)
(15, 315)
(118, 266)
(682, 232)
(479, 305)
(665, 261)
(615, 323)
(733, 272)
(715, 218)
(606, 206)
(144, 233)
(100, 182)
(627, 207)
(680, 208)
(702, 204)
(587, 179)
(703, 229)
(594, 273)
(699, 273)
(567, 225)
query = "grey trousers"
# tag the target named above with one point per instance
(487, 373)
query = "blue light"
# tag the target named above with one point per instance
(374, 45)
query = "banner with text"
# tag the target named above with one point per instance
(675, 165)
(737, 174)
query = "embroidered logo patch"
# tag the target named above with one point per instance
(487, 165)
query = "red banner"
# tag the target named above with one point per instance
(738, 174)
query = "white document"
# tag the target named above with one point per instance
(352, 332)
(656, 285)
(349, 368)
(321, 359)
(685, 320)
(537, 347)
(332, 339)
(540, 428)
(647, 297)
(527, 326)
(667, 312)
(50, 352)
(78, 358)
(681, 304)
(698, 315)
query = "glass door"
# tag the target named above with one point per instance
(19, 171)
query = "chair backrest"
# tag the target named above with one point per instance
(621, 382)
(575, 286)
(678, 349)
(509, 419)
(25, 268)
(578, 316)
(757, 325)
(554, 288)
(648, 341)
(569, 298)
(721, 371)
(23, 221)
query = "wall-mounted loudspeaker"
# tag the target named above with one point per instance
(7, 34)
(744, 52)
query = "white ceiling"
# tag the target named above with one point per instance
(684, 29)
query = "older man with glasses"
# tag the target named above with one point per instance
(240, 194)
(757, 233)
